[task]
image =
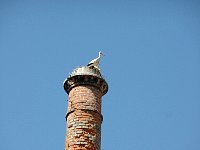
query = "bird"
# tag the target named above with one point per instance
(95, 62)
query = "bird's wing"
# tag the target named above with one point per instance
(93, 61)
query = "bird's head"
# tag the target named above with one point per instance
(101, 54)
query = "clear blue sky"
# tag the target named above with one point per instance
(152, 66)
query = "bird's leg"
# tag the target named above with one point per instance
(97, 67)
(91, 67)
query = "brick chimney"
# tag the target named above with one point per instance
(85, 87)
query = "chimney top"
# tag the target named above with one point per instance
(85, 75)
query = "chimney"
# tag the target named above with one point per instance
(85, 87)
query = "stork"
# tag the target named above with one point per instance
(95, 62)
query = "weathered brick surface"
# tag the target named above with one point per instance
(85, 97)
(84, 118)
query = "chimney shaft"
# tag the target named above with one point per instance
(85, 87)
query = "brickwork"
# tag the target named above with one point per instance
(85, 87)
(85, 97)
(84, 119)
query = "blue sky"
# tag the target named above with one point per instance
(152, 66)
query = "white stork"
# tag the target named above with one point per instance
(95, 62)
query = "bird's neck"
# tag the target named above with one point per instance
(100, 55)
